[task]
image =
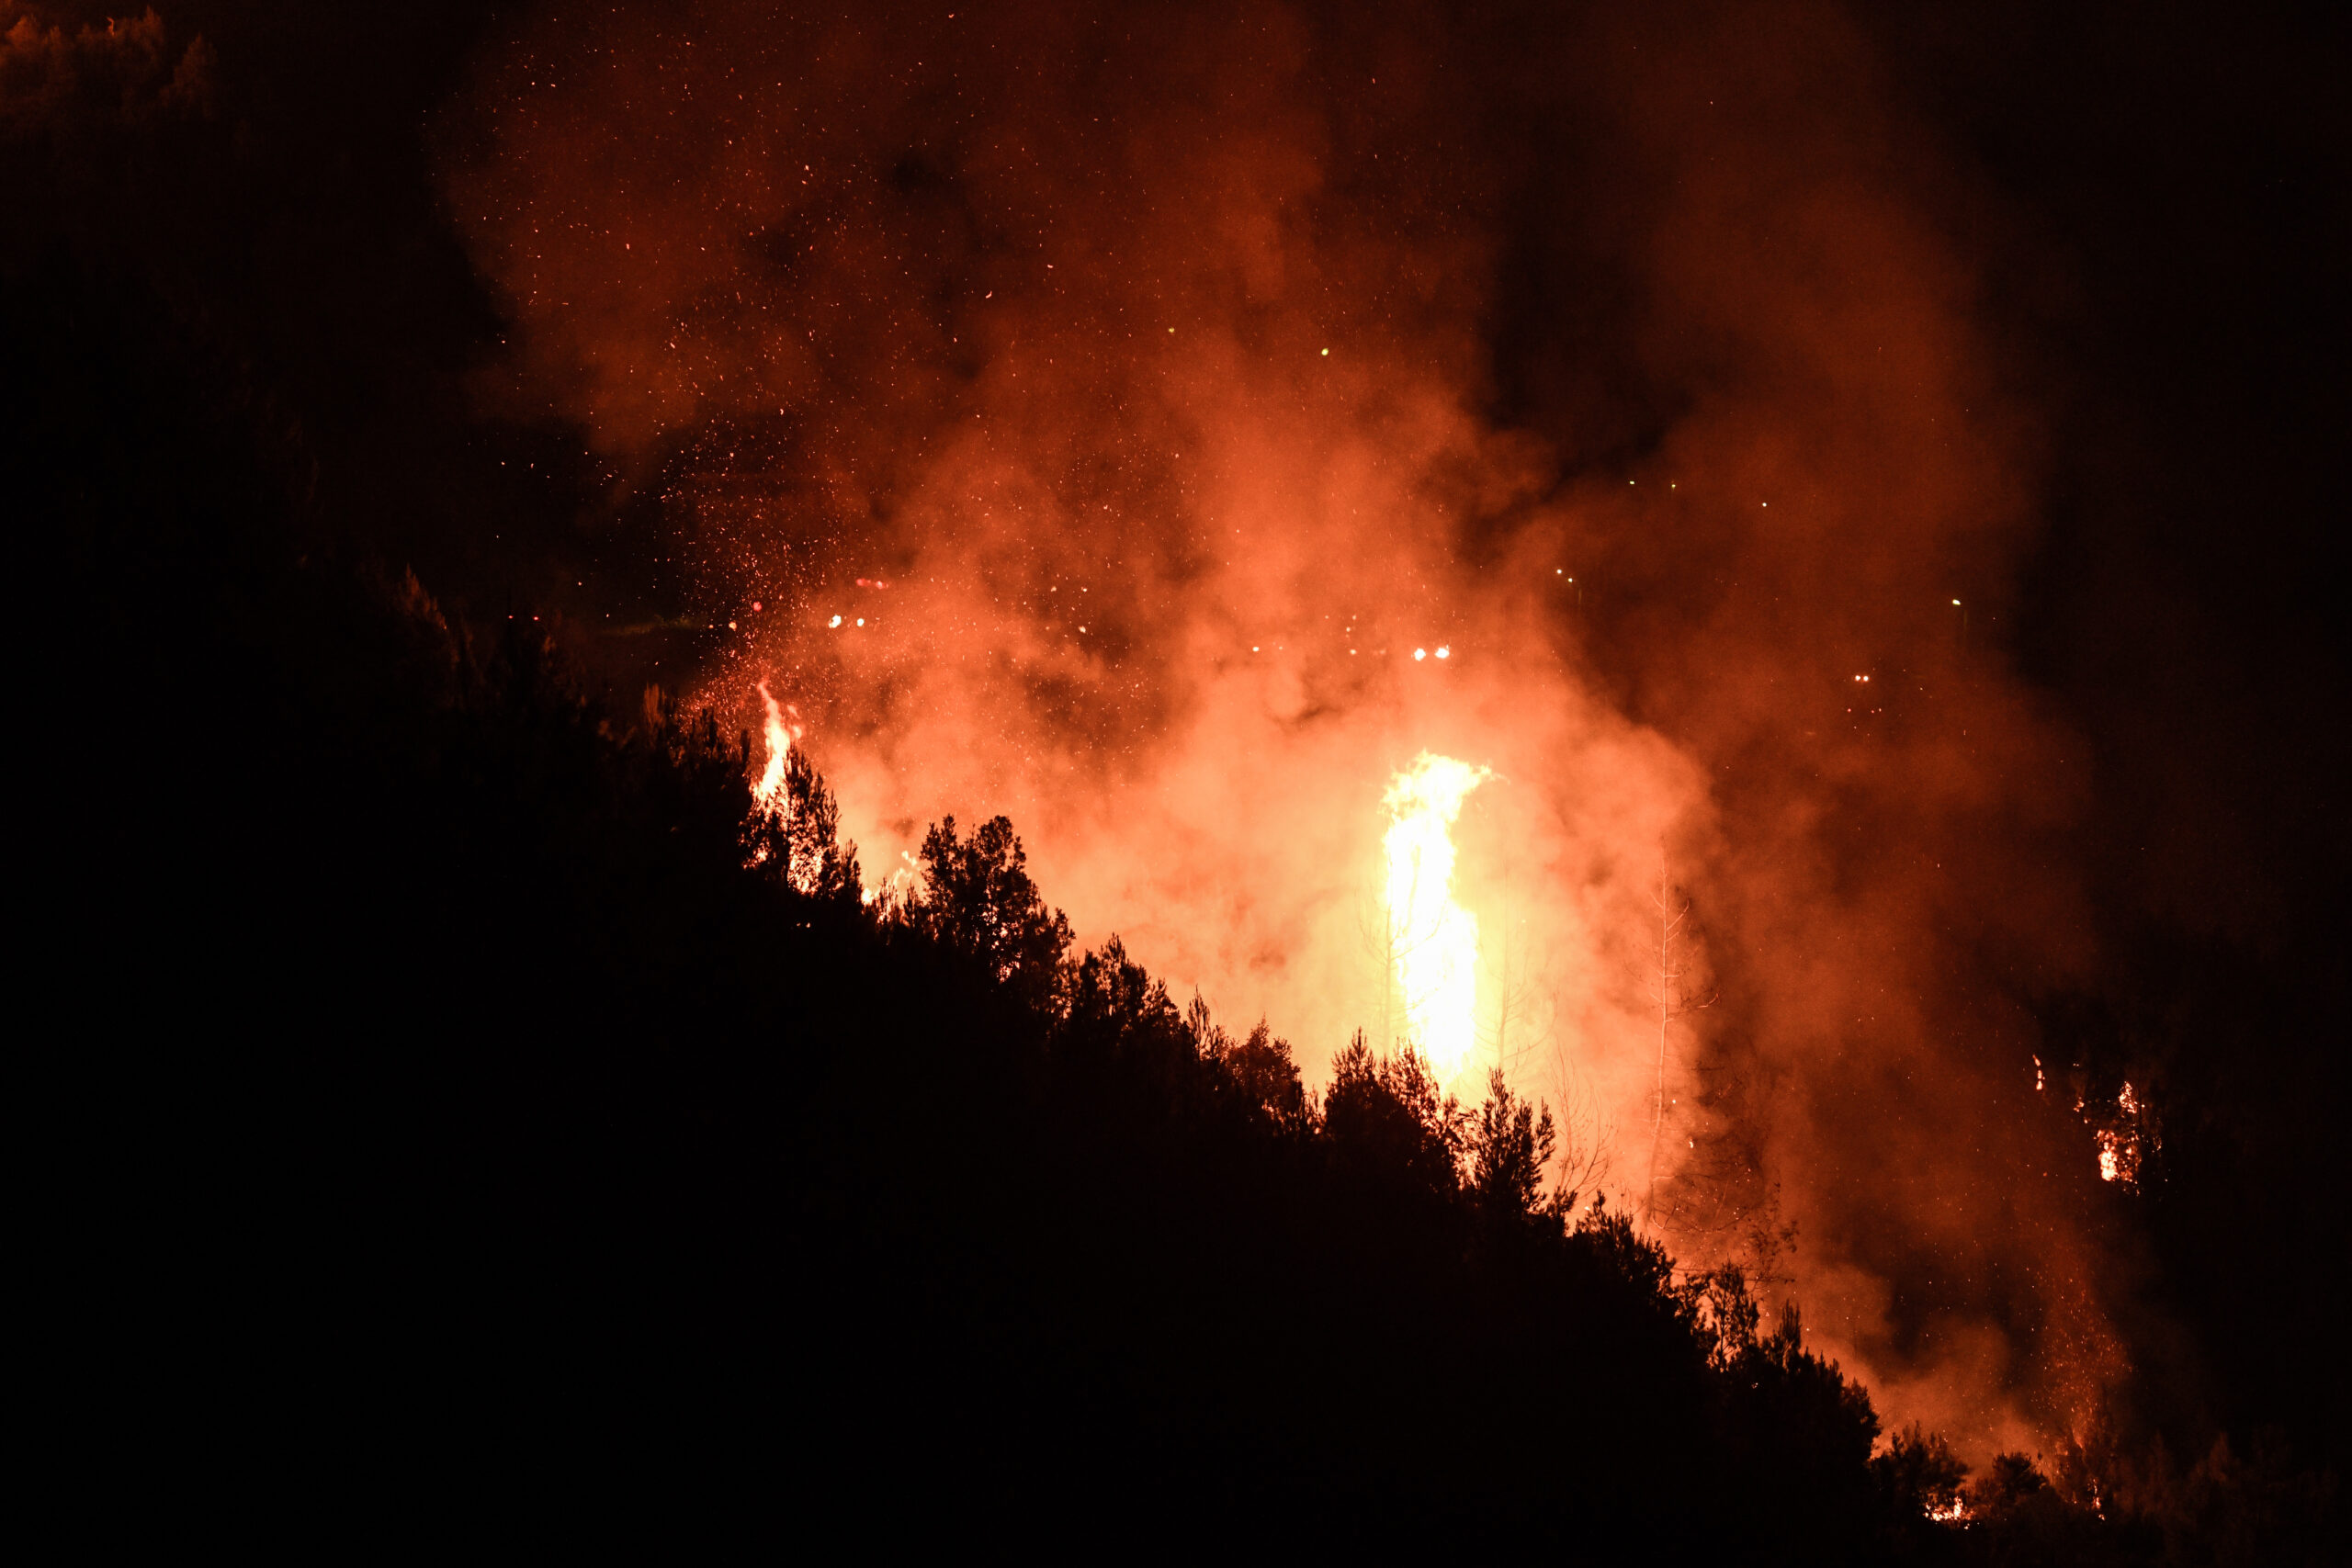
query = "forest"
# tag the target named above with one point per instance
(481, 1119)
(510, 1119)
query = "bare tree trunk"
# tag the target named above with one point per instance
(1666, 924)
(1503, 1007)
(1672, 1005)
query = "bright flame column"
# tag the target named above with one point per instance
(1432, 941)
(770, 791)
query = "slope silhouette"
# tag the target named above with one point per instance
(492, 1122)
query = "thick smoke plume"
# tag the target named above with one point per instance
(1163, 428)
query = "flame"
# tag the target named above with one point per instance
(1432, 941)
(2120, 1145)
(781, 734)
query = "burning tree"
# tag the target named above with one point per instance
(797, 839)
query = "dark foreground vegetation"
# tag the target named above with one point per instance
(477, 1141)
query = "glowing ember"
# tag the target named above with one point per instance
(2125, 1138)
(1432, 941)
(781, 733)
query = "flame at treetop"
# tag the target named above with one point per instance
(1432, 941)
(781, 734)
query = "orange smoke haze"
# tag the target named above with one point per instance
(1182, 374)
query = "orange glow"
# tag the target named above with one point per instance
(2119, 1149)
(1172, 599)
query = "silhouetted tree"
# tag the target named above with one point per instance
(1259, 1066)
(1920, 1476)
(1388, 1120)
(1112, 1006)
(1611, 1238)
(1813, 1406)
(1725, 1317)
(1508, 1145)
(2008, 1485)
(977, 900)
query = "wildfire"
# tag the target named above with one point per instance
(1432, 941)
(2126, 1138)
(781, 734)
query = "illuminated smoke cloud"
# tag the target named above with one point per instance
(1164, 429)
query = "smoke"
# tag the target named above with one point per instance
(1090, 418)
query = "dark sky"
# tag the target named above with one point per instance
(2152, 199)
